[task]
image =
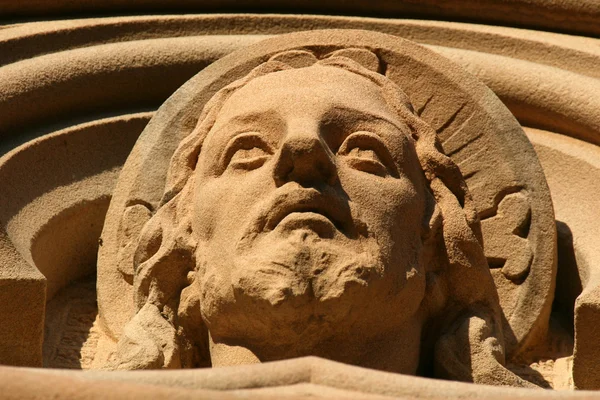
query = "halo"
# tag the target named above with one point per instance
(476, 130)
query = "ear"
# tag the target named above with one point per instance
(165, 253)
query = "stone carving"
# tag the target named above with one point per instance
(70, 342)
(323, 197)
(506, 242)
(311, 211)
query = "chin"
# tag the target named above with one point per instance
(295, 290)
(303, 267)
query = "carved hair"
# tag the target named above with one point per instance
(464, 325)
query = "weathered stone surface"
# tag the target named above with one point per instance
(22, 305)
(90, 77)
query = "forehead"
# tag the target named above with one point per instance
(311, 91)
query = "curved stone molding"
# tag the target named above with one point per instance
(101, 78)
(64, 193)
(565, 15)
(97, 50)
(578, 54)
(545, 97)
(572, 168)
(308, 377)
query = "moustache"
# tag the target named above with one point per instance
(291, 198)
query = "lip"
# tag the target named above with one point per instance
(308, 207)
(313, 221)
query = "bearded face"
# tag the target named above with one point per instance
(309, 208)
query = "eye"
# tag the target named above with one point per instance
(366, 152)
(247, 151)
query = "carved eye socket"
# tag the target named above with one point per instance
(365, 152)
(247, 151)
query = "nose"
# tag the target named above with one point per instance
(305, 158)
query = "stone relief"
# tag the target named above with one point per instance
(342, 194)
(311, 212)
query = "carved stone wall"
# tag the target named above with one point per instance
(78, 84)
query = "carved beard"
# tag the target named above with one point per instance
(290, 291)
(302, 267)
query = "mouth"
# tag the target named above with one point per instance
(312, 221)
(308, 208)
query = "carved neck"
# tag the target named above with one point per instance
(222, 355)
(397, 352)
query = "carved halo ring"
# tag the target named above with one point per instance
(476, 130)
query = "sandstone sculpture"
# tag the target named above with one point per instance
(341, 193)
(297, 221)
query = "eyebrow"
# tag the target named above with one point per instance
(364, 116)
(243, 120)
(274, 118)
(253, 117)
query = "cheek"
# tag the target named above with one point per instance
(392, 208)
(206, 199)
(223, 204)
(382, 198)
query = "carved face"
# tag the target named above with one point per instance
(309, 207)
